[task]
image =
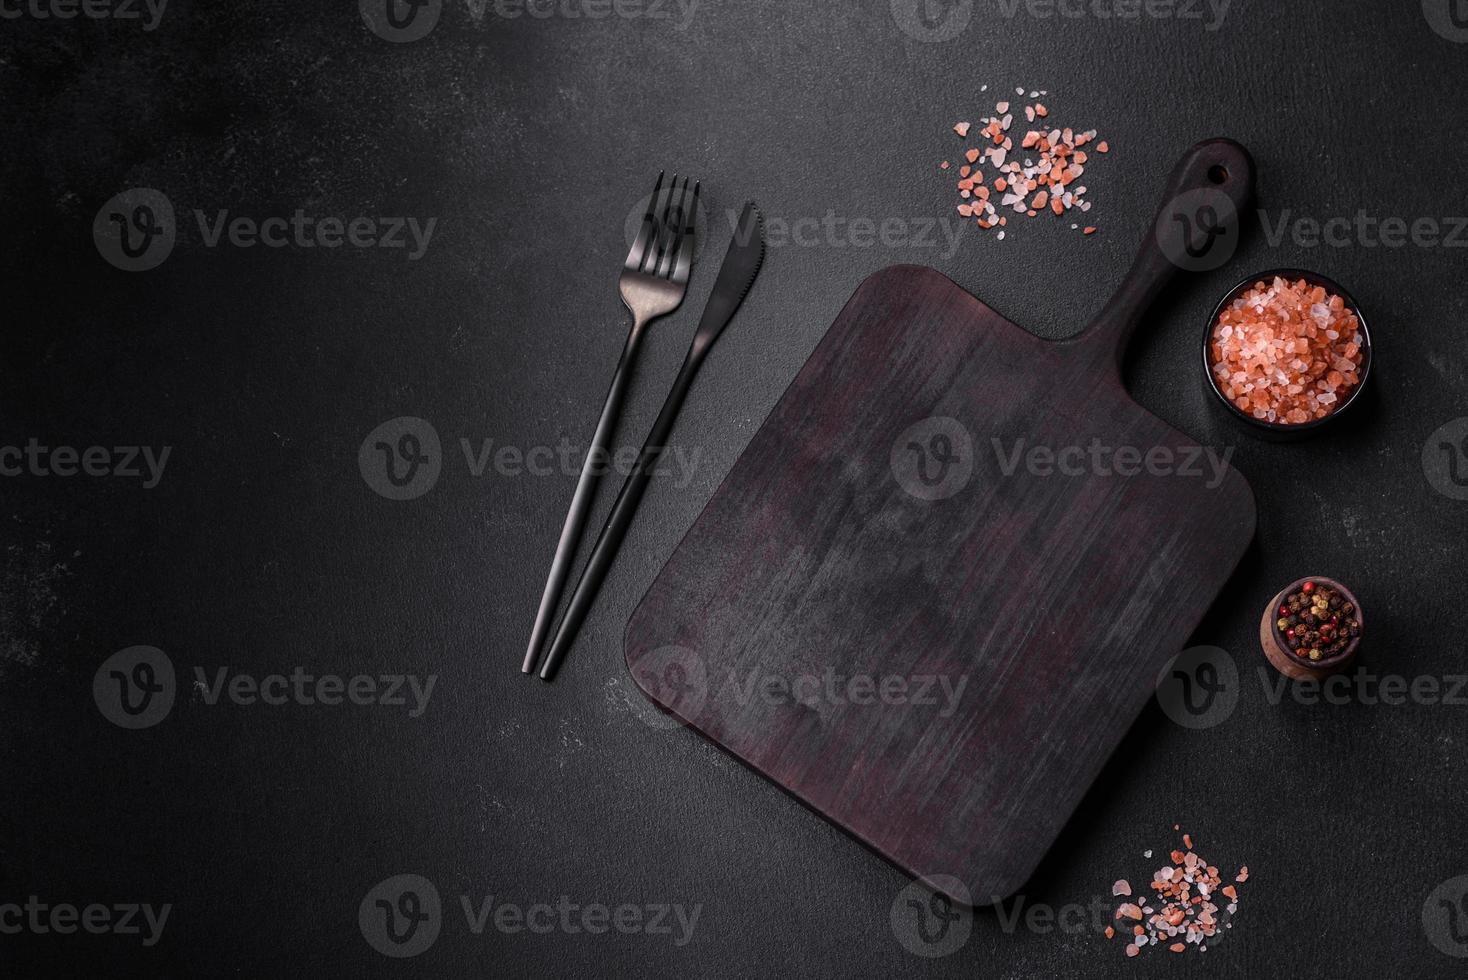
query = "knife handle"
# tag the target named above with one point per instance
(591, 472)
(623, 510)
(1196, 229)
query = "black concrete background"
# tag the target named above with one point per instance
(529, 140)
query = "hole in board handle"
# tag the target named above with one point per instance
(1218, 174)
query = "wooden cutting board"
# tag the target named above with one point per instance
(932, 643)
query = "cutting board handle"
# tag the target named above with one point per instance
(1196, 229)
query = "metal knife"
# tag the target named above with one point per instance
(741, 265)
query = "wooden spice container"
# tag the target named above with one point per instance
(1287, 661)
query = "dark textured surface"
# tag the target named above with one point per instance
(530, 140)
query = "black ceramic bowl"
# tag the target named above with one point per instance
(1286, 430)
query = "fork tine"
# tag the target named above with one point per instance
(672, 226)
(658, 263)
(687, 237)
(655, 243)
(644, 232)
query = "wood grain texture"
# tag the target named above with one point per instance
(1055, 600)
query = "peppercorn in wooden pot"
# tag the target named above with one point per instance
(1311, 629)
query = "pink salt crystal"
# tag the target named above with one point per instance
(1286, 351)
(1122, 887)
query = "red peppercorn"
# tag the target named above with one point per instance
(1284, 610)
(1290, 633)
(1308, 587)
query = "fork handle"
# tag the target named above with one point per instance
(620, 519)
(591, 474)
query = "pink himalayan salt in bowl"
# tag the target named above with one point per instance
(1287, 350)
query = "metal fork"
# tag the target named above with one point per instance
(654, 280)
